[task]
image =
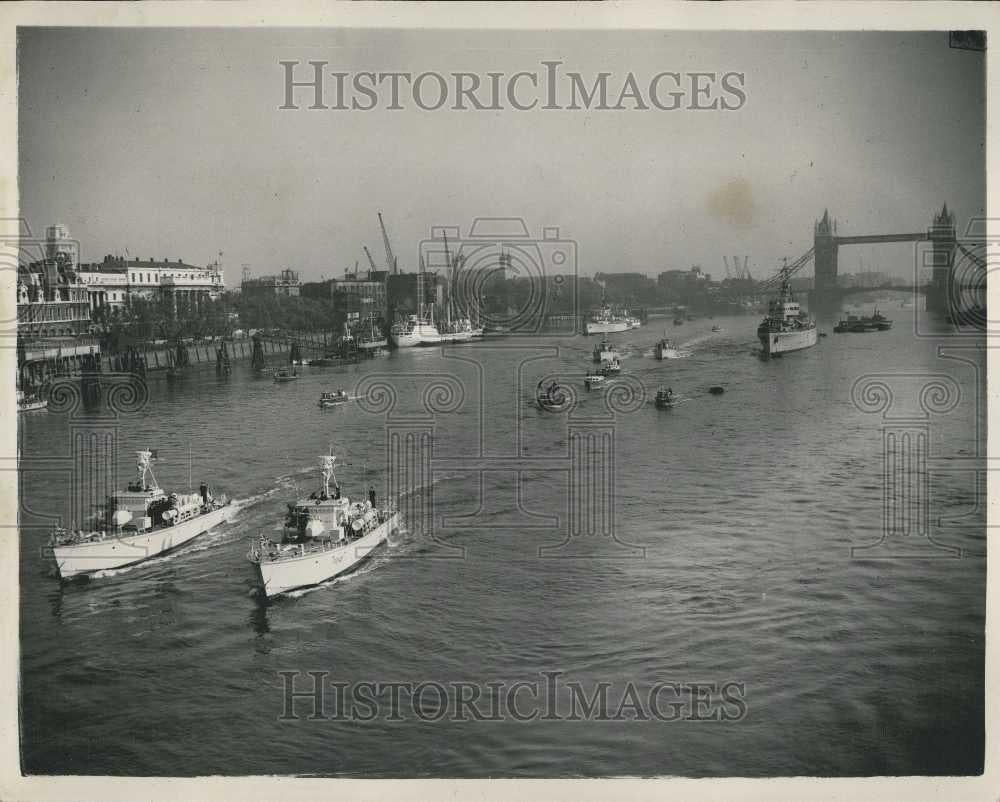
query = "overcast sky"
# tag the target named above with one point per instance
(170, 143)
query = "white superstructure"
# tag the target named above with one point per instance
(414, 331)
(138, 523)
(324, 536)
(605, 352)
(786, 327)
(604, 321)
(665, 349)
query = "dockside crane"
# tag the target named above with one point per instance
(369, 255)
(390, 260)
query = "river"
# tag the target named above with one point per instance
(738, 556)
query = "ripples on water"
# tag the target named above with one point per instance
(747, 506)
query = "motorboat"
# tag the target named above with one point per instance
(333, 399)
(665, 349)
(285, 375)
(29, 402)
(611, 366)
(605, 352)
(553, 397)
(665, 398)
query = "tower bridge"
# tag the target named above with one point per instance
(827, 242)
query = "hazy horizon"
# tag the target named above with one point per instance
(170, 143)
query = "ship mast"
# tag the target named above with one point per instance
(326, 465)
(143, 465)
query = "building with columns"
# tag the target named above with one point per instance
(116, 280)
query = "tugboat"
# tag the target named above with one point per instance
(285, 375)
(594, 380)
(665, 349)
(786, 327)
(138, 523)
(611, 366)
(604, 352)
(855, 324)
(880, 321)
(333, 399)
(552, 398)
(325, 535)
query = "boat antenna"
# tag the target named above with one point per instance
(143, 465)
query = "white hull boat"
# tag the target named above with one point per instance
(118, 551)
(605, 352)
(604, 321)
(138, 523)
(786, 327)
(782, 342)
(415, 331)
(313, 567)
(666, 350)
(325, 535)
(605, 326)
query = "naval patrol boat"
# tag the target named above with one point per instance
(138, 523)
(786, 327)
(325, 535)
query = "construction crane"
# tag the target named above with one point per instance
(369, 255)
(390, 260)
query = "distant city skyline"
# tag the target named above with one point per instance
(171, 144)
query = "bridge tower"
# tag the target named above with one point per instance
(825, 241)
(942, 237)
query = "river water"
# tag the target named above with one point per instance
(742, 544)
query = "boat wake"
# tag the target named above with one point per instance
(695, 341)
